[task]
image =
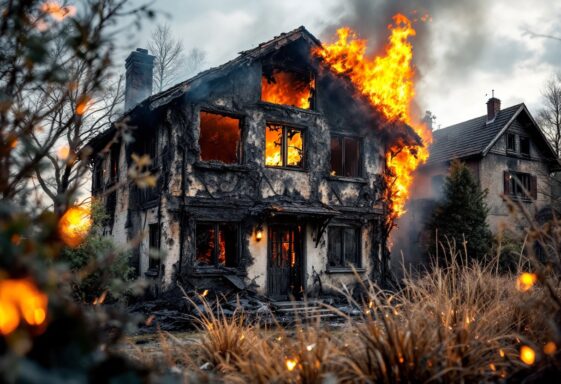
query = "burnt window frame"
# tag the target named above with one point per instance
(513, 188)
(513, 137)
(342, 137)
(114, 162)
(154, 245)
(344, 265)
(98, 174)
(241, 118)
(524, 139)
(215, 264)
(284, 146)
(270, 68)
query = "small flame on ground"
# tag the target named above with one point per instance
(291, 364)
(527, 355)
(74, 225)
(526, 281)
(20, 299)
(387, 81)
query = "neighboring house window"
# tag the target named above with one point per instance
(114, 163)
(438, 184)
(154, 246)
(288, 87)
(345, 156)
(220, 138)
(217, 244)
(284, 146)
(521, 185)
(524, 146)
(343, 246)
(511, 142)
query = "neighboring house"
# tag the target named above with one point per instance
(507, 154)
(269, 172)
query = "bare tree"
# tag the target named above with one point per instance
(549, 117)
(195, 61)
(169, 57)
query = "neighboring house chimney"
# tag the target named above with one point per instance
(139, 66)
(428, 119)
(493, 107)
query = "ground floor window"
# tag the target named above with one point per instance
(217, 244)
(343, 246)
(153, 247)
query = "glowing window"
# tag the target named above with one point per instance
(219, 138)
(217, 244)
(284, 146)
(288, 88)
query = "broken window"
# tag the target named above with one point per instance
(114, 163)
(288, 87)
(217, 244)
(284, 146)
(345, 156)
(524, 146)
(522, 185)
(511, 142)
(343, 246)
(154, 247)
(219, 138)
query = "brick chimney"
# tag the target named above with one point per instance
(138, 83)
(493, 108)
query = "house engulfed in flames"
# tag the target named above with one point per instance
(271, 173)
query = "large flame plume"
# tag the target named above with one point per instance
(387, 81)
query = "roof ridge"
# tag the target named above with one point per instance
(515, 106)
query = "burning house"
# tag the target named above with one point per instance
(271, 172)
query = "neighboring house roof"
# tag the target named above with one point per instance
(476, 137)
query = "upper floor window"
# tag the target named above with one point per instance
(219, 138)
(288, 87)
(343, 246)
(217, 244)
(345, 156)
(524, 146)
(98, 172)
(511, 142)
(284, 146)
(114, 162)
(518, 184)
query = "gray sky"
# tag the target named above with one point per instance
(469, 48)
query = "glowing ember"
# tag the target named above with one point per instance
(550, 348)
(387, 81)
(84, 103)
(526, 281)
(20, 299)
(57, 11)
(74, 225)
(291, 364)
(527, 355)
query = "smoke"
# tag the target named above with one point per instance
(450, 40)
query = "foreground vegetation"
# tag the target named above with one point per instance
(460, 323)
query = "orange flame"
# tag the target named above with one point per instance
(20, 299)
(387, 81)
(287, 88)
(74, 225)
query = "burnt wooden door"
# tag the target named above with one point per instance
(284, 271)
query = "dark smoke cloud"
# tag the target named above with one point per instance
(460, 43)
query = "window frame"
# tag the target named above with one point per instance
(345, 267)
(342, 137)
(526, 140)
(513, 136)
(241, 126)
(216, 226)
(514, 190)
(284, 146)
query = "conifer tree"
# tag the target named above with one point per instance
(460, 215)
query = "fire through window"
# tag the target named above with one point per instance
(287, 87)
(217, 244)
(284, 146)
(219, 138)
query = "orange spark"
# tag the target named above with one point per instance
(83, 104)
(74, 225)
(527, 355)
(291, 364)
(526, 281)
(387, 81)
